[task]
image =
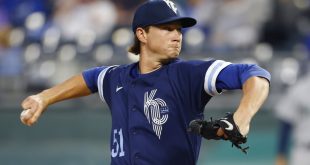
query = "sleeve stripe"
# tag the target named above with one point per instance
(211, 76)
(100, 82)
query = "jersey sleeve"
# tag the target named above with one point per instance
(95, 77)
(202, 75)
(234, 76)
(211, 76)
(91, 77)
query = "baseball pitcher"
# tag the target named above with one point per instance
(157, 103)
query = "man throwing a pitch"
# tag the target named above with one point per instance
(157, 103)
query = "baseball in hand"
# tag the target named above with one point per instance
(25, 114)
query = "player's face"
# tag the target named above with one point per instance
(165, 40)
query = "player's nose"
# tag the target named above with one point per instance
(177, 36)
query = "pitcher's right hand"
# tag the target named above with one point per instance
(33, 106)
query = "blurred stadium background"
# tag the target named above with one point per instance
(43, 42)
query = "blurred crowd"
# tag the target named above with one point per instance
(39, 38)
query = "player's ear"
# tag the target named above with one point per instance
(141, 34)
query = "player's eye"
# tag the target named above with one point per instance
(170, 28)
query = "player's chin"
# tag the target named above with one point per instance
(173, 56)
(170, 56)
(174, 53)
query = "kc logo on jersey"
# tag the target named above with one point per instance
(172, 6)
(156, 111)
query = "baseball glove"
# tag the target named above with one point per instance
(209, 129)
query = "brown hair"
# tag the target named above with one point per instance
(135, 48)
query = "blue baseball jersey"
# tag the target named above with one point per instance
(151, 112)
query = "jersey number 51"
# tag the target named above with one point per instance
(118, 146)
